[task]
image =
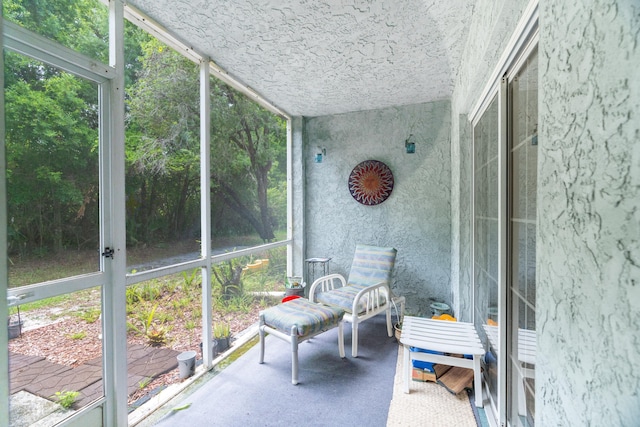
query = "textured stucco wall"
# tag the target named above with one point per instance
(492, 25)
(415, 219)
(321, 57)
(295, 256)
(588, 316)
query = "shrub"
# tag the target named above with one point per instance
(66, 399)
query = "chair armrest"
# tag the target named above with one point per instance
(326, 283)
(371, 297)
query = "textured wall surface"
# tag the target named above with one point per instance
(490, 29)
(326, 57)
(415, 219)
(461, 263)
(296, 151)
(588, 316)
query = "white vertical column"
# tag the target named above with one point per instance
(114, 233)
(4, 311)
(205, 209)
(503, 218)
(295, 197)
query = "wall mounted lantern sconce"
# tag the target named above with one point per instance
(410, 145)
(321, 152)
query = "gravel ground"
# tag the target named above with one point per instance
(72, 341)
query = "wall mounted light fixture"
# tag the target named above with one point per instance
(321, 152)
(410, 145)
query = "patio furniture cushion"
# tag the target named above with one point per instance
(371, 265)
(343, 297)
(309, 318)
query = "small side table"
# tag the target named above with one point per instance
(322, 264)
(446, 337)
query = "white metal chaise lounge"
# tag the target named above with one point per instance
(365, 294)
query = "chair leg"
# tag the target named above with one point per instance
(477, 381)
(261, 331)
(406, 368)
(341, 339)
(389, 325)
(294, 355)
(354, 338)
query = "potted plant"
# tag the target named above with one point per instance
(222, 336)
(294, 286)
(398, 330)
(14, 323)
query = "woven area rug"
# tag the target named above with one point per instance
(428, 404)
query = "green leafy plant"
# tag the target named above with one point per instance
(240, 303)
(89, 315)
(78, 335)
(66, 399)
(144, 382)
(293, 282)
(221, 330)
(132, 295)
(228, 275)
(155, 333)
(189, 279)
(150, 291)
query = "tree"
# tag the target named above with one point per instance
(52, 161)
(246, 140)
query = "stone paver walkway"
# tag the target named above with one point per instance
(38, 376)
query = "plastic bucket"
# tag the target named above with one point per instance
(186, 364)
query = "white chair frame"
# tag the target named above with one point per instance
(371, 296)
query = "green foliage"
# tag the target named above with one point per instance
(66, 399)
(150, 291)
(144, 382)
(147, 291)
(78, 335)
(228, 274)
(156, 334)
(221, 330)
(190, 280)
(239, 303)
(132, 296)
(89, 315)
(52, 125)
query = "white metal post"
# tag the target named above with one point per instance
(205, 209)
(502, 248)
(114, 234)
(4, 278)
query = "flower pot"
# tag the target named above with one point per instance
(214, 347)
(398, 331)
(15, 329)
(294, 291)
(186, 364)
(222, 344)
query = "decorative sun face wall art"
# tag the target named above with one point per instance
(371, 182)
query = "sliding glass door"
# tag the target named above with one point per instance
(505, 143)
(523, 175)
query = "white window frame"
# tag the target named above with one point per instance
(112, 277)
(520, 44)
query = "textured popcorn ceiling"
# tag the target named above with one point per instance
(315, 58)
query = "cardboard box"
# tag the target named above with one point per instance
(421, 375)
